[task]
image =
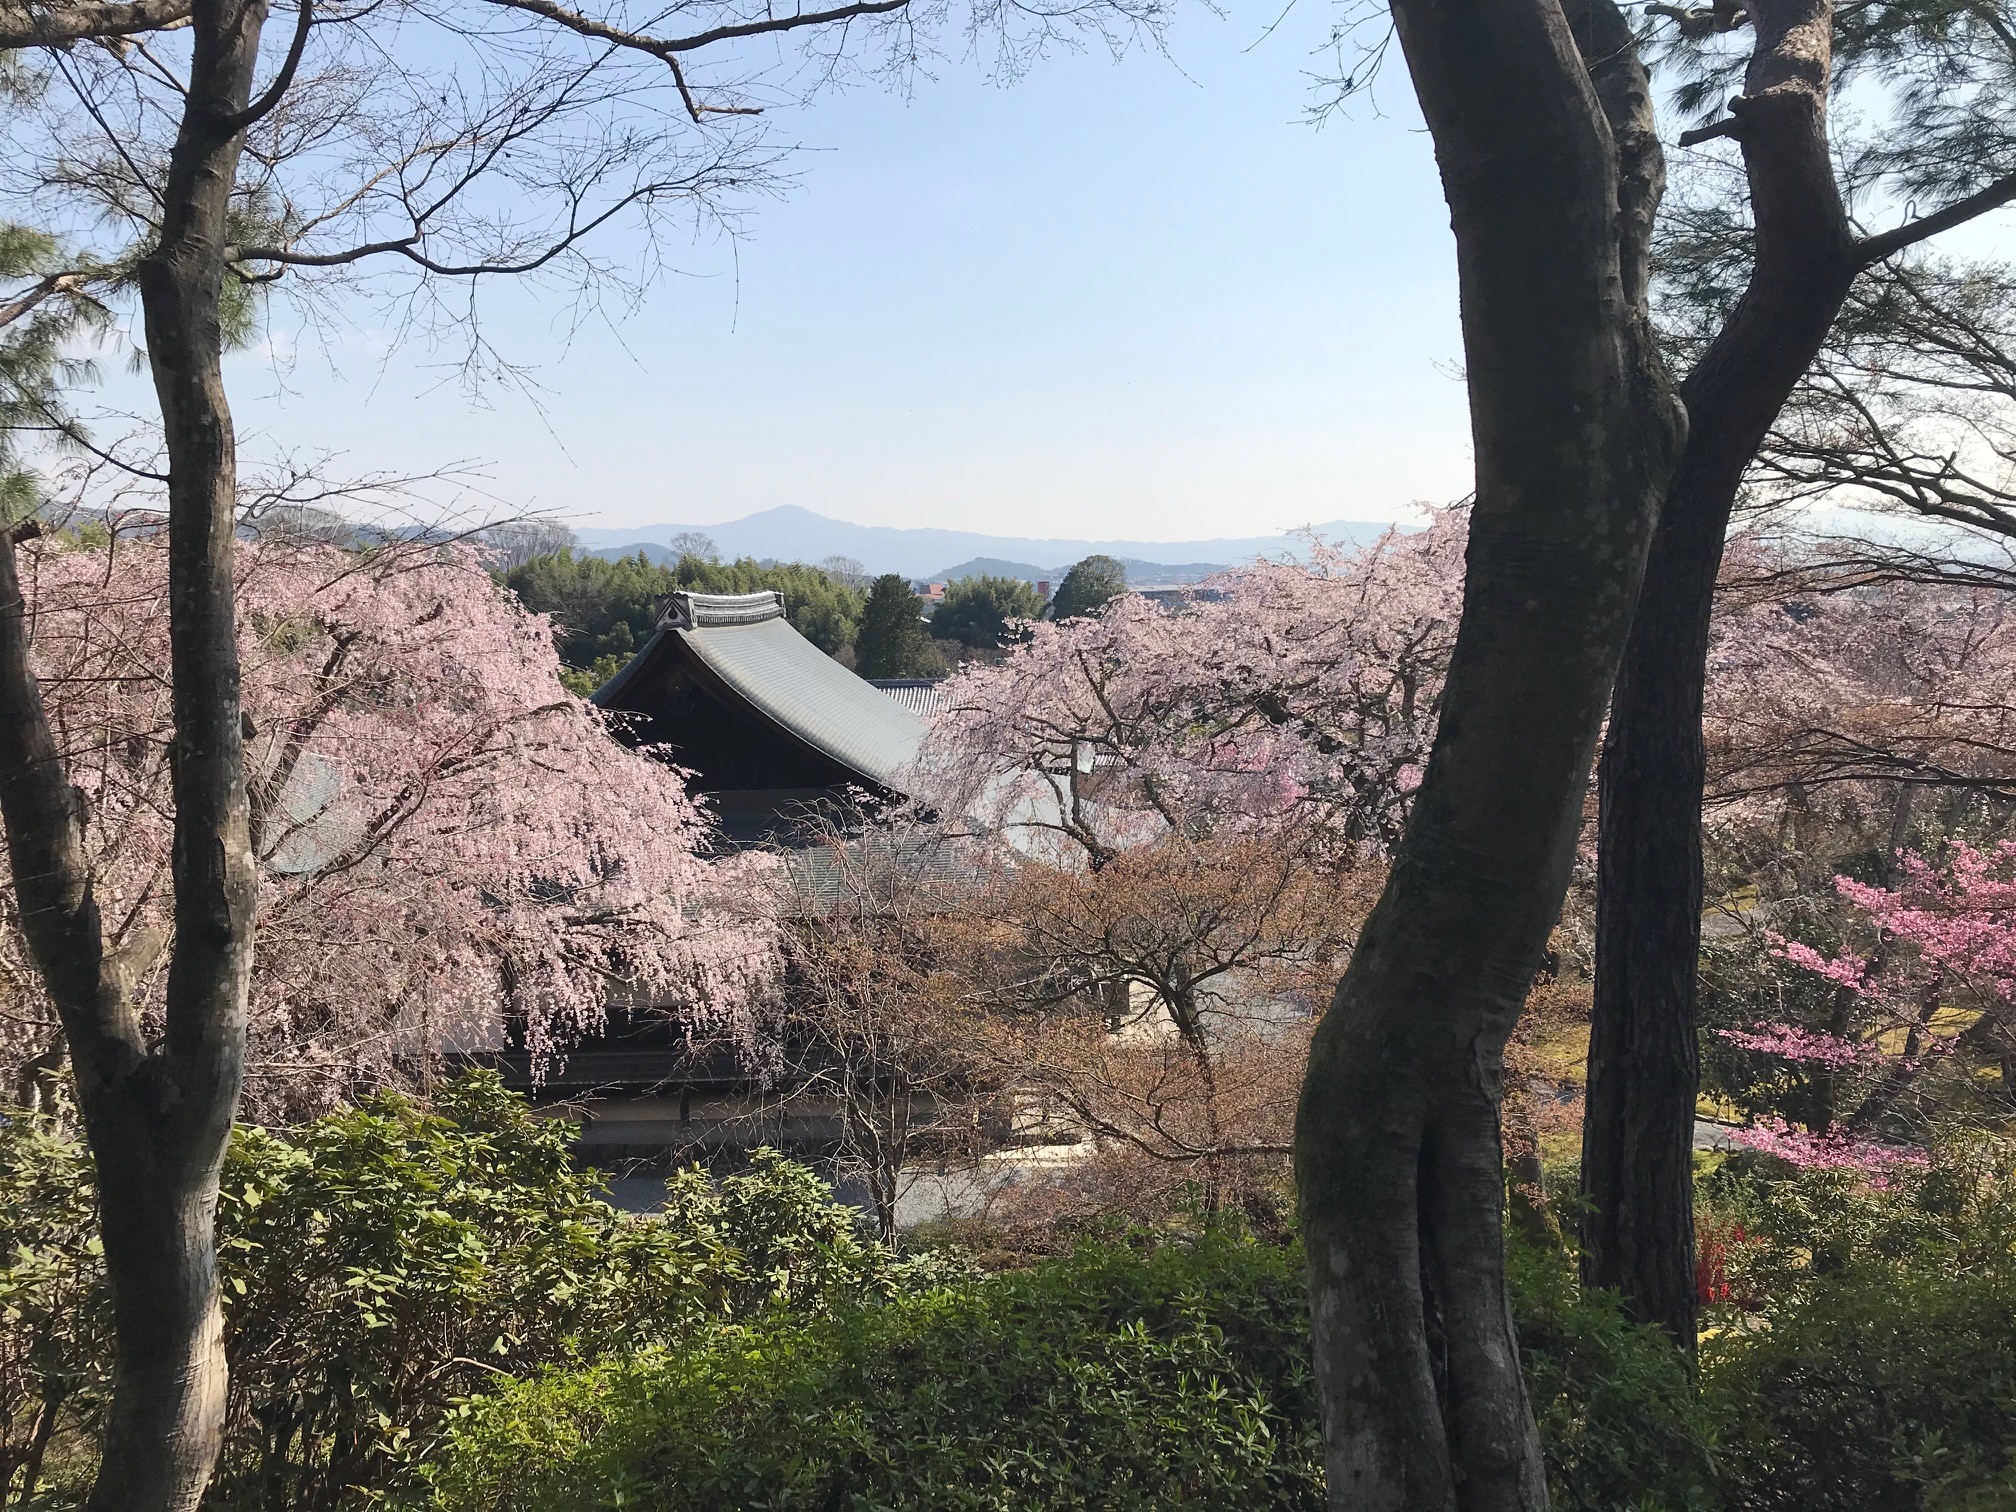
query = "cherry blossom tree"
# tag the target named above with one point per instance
(1831, 667)
(1191, 802)
(450, 847)
(1908, 1024)
(1284, 693)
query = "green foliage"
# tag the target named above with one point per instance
(383, 1263)
(607, 610)
(1105, 1380)
(1111, 1379)
(892, 641)
(1616, 1410)
(1088, 587)
(54, 1309)
(1797, 1231)
(1874, 1393)
(36, 364)
(1867, 1355)
(976, 610)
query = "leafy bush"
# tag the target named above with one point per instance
(1877, 1392)
(1104, 1380)
(1872, 1361)
(1110, 1379)
(383, 1263)
(54, 1309)
(1617, 1415)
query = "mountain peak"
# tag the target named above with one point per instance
(791, 532)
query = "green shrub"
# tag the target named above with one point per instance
(1866, 1357)
(1110, 1379)
(1881, 1389)
(1617, 1415)
(382, 1264)
(54, 1309)
(1105, 1380)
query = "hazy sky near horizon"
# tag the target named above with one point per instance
(1144, 300)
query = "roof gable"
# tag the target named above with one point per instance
(749, 650)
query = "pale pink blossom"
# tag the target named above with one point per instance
(1301, 693)
(447, 838)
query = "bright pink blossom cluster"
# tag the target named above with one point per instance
(1826, 1152)
(1959, 916)
(1804, 1046)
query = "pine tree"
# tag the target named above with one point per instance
(1088, 587)
(892, 641)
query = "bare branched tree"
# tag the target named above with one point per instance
(1161, 1002)
(870, 1023)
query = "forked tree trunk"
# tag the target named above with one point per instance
(158, 1117)
(1552, 172)
(1644, 1068)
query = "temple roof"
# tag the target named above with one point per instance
(751, 652)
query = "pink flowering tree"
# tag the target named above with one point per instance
(1192, 803)
(1281, 693)
(1830, 671)
(1903, 1026)
(451, 848)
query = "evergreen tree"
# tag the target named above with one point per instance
(1088, 587)
(44, 305)
(976, 610)
(606, 610)
(891, 641)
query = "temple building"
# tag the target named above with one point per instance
(769, 724)
(772, 728)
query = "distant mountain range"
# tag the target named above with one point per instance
(1141, 574)
(788, 533)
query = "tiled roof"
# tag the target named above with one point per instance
(745, 641)
(922, 696)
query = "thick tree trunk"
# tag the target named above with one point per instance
(158, 1119)
(1552, 173)
(1644, 1072)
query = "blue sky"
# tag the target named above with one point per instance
(1143, 299)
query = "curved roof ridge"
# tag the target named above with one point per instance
(685, 610)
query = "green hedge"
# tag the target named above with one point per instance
(1112, 1379)
(384, 1263)
(1887, 1389)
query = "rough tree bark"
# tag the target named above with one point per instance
(157, 1117)
(1552, 172)
(1644, 1072)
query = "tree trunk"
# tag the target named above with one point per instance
(1552, 172)
(158, 1118)
(1644, 1069)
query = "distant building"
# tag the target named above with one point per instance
(922, 696)
(767, 722)
(772, 729)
